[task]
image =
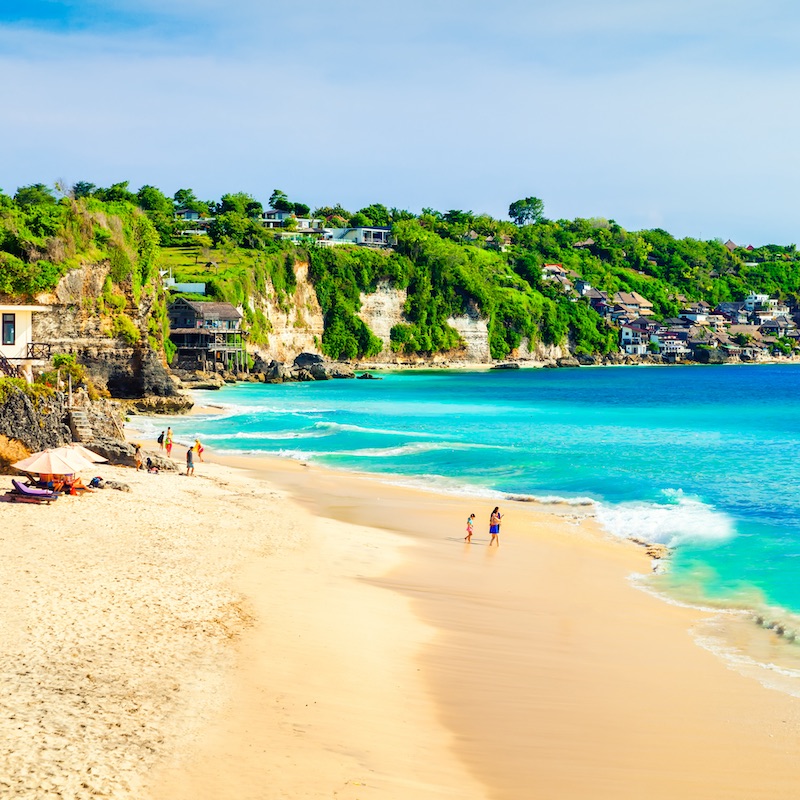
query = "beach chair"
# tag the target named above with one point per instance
(29, 494)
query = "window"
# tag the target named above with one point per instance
(9, 329)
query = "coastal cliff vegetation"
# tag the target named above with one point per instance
(450, 264)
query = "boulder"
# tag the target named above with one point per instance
(178, 404)
(319, 372)
(36, 422)
(568, 362)
(121, 454)
(506, 365)
(307, 360)
(368, 376)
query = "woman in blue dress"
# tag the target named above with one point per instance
(494, 526)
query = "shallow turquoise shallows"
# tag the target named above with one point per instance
(704, 457)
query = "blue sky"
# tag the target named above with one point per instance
(680, 114)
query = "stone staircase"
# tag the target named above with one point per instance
(80, 426)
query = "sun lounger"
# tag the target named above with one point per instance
(29, 494)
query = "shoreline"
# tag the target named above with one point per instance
(456, 663)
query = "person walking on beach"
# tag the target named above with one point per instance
(190, 461)
(160, 440)
(494, 526)
(199, 448)
(137, 457)
(168, 442)
(470, 528)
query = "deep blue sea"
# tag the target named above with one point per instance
(705, 458)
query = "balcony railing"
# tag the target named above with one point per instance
(39, 350)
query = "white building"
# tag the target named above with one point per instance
(17, 348)
(754, 301)
(374, 236)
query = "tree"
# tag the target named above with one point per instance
(526, 211)
(152, 199)
(240, 203)
(377, 214)
(279, 201)
(37, 194)
(301, 209)
(185, 198)
(117, 192)
(82, 189)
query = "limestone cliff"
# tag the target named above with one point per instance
(120, 360)
(380, 312)
(296, 321)
(540, 353)
(383, 309)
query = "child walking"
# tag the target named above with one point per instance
(470, 528)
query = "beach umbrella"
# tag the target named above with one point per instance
(58, 461)
(88, 454)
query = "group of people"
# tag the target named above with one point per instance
(166, 441)
(494, 527)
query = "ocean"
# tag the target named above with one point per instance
(703, 459)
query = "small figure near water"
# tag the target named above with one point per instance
(470, 528)
(190, 461)
(168, 442)
(137, 457)
(160, 440)
(494, 526)
(198, 446)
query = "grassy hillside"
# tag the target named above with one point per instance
(450, 264)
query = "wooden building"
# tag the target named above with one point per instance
(208, 336)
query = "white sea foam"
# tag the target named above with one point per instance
(681, 519)
(441, 485)
(266, 435)
(336, 426)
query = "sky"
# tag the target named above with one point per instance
(678, 114)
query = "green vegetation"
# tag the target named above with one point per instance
(35, 391)
(451, 264)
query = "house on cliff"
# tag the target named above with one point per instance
(208, 336)
(18, 351)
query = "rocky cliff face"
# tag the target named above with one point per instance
(32, 423)
(540, 353)
(297, 325)
(474, 330)
(383, 309)
(380, 312)
(74, 325)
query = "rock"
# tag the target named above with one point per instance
(586, 361)
(38, 422)
(178, 404)
(568, 362)
(121, 454)
(319, 372)
(657, 551)
(306, 360)
(506, 365)
(122, 487)
(368, 376)
(338, 370)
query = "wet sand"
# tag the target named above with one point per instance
(269, 630)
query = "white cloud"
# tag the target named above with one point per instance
(424, 106)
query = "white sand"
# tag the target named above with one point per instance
(209, 637)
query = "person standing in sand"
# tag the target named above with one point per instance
(168, 442)
(198, 446)
(137, 457)
(494, 526)
(190, 461)
(160, 440)
(470, 528)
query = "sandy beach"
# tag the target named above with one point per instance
(271, 630)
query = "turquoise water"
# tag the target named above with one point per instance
(701, 457)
